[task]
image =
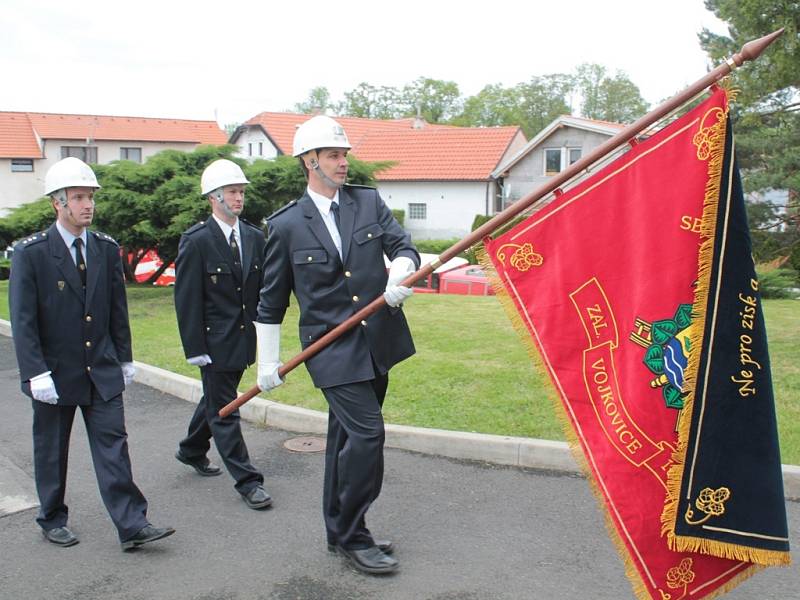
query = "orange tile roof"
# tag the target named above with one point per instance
(142, 129)
(435, 152)
(19, 130)
(17, 139)
(452, 153)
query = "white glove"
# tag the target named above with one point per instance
(199, 361)
(268, 336)
(43, 388)
(395, 295)
(128, 371)
(401, 267)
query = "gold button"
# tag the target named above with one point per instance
(355, 298)
(88, 318)
(88, 344)
(347, 273)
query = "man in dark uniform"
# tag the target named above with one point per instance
(328, 249)
(69, 318)
(217, 281)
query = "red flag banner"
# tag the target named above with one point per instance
(601, 282)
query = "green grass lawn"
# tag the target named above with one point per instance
(471, 371)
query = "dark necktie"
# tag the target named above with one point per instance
(335, 211)
(237, 259)
(79, 262)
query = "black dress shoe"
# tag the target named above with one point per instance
(203, 466)
(257, 498)
(370, 560)
(146, 535)
(384, 546)
(60, 536)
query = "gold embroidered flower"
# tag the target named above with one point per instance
(681, 575)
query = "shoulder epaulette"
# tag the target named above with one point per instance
(104, 237)
(32, 239)
(362, 187)
(195, 228)
(246, 222)
(283, 208)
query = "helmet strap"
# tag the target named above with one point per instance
(314, 166)
(219, 196)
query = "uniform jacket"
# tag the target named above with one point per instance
(215, 303)
(81, 337)
(302, 258)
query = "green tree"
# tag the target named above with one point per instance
(494, 105)
(365, 100)
(318, 101)
(544, 99)
(766, 114)
(437, 100)
(531, 106)
(609, 98)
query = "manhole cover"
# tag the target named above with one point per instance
(305, 444)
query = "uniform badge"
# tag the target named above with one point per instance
(60, 286)
(214, 279)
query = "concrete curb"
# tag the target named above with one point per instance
(496, 449)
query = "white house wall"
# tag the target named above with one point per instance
(450, 206)
(255, 136)
(17, 188)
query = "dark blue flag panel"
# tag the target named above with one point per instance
(730, 500)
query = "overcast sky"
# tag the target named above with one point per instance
(229, 60)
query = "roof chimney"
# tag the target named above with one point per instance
(419, 122)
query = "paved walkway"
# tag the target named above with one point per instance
(464, 530)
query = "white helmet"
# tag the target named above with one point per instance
(319, 132)
(220, 173)
(69, 172)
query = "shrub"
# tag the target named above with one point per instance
(778, 283)
(399, 215)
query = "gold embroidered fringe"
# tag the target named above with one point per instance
(640, 588)
(670, 515)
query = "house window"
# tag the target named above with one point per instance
(21, 165)
(250, 149)
(261, 148)
(134, 154)
(417, 211)
(558, 159)
(87, 154)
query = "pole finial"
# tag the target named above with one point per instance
(753, 49)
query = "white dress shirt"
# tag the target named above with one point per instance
(69, 238)
(323, 205)
(226, 231)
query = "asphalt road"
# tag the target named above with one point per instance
(463, 531)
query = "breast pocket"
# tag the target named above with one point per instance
(217, 270)
(311, 256)
(367, 234)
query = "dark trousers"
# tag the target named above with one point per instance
(219, 388)
(353, 459)
(108, 442)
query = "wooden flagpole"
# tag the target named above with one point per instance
(749, 52)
